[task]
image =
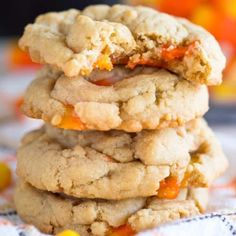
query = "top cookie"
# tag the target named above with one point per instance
(100, 36)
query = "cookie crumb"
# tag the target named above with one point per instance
(168, 117)
(56, 119)
(99, 228)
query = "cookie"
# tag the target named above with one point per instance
(117, 165)
(52, 213)
(100, 36)
(146, 98)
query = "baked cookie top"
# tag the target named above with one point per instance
(118, 165)
(143, 98)
(100, 36)
(52, 213)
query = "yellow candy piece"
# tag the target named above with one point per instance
(225, 92)
(68, 233)
(5, 176)
(104, 63)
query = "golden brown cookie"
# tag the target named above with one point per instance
(117, 165)
(52, 213)
(100, 36)
(145, 98)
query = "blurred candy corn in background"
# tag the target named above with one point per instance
(17, 58)
(218, 17)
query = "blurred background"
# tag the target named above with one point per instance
(16, 69)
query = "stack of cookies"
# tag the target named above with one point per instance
(124, 147)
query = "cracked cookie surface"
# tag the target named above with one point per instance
(144, 98)
(117, 165)
(100, 36)
(52, 213)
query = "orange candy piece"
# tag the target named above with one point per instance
(169, 188)
(104, 63)
(104, 82)
(107, 81)
(70, 120)
(123, 230)
(176, 53)
(144, 62)
(167, 54)
(5, 176)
